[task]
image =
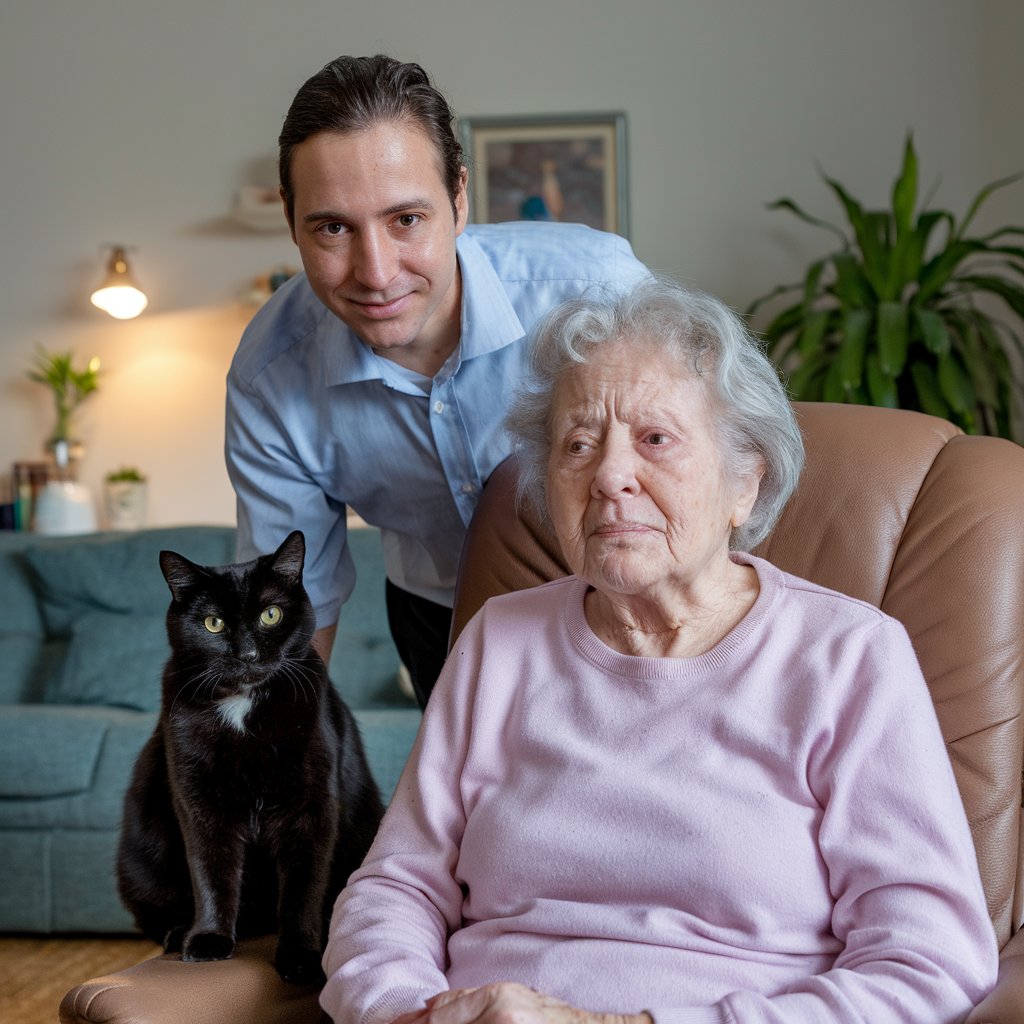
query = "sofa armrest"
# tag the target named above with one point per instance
(162, 990)
(1005, 1004)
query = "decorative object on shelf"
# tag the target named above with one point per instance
(124, 499)
(893, 317)
(64, 507)
(259, 208)
(570, 167)
(262, 287)
(70, 387)
(119, 295)
(27, 481)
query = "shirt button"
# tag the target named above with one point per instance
(439, 407)
(468, 489)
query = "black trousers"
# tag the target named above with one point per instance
(420, 630)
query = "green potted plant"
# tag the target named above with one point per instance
(893, 318)
(70, 387)
(124, 499)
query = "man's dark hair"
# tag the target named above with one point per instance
(352, 94)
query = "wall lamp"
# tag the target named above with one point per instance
(119, 295)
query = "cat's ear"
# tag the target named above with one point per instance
(179, 572)
(290, 556)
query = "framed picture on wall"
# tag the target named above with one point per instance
(568, 168)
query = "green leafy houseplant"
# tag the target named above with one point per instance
(70, 387)
(892, 317)
(125, 475)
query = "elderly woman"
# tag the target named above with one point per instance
(679, 784)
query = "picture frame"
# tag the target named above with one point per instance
(569, 167)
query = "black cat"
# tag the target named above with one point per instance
(252, 801)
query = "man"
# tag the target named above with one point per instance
(378, 380)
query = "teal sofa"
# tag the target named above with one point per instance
(82, 647)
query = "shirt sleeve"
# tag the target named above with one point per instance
(386, 952)
(909, 906)
(275, 495)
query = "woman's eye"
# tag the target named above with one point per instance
(213, 624)
(271, 616)
(657, 439)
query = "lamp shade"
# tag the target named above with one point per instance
(119, 295)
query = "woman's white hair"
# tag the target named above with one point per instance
(751, 413)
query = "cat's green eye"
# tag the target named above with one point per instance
(271, 616)
(213, 624)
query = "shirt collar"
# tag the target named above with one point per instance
(489, 322)
(346, 359)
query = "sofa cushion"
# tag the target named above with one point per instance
(117, 572)
(21, 629)
(112, 659)
(45, 752)
(26, 661)
(106, 596)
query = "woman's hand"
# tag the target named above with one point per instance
(506, 1002)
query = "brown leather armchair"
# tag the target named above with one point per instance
(895, 508)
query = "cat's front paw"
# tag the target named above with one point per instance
(204, 946)
(299, 966)
(175, 939)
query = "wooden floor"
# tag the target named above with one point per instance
(36, 971)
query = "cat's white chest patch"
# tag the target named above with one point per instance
(232, 710)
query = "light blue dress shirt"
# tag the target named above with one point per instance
(318, 423)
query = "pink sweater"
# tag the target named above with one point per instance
(768, 832)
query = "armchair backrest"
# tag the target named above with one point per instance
(904, 511)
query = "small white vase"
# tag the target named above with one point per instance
(124, 504)
(64, 507)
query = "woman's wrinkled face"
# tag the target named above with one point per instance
(636, 485)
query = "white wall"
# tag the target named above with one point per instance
(136, 123)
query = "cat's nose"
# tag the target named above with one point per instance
(249, 654)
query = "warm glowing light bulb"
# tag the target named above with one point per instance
(122, 301)
(119, 295)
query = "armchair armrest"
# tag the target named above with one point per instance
(162, 990)
(247, 990)
(1005, 1003)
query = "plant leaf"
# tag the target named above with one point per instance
(786, 203)
(850, 286)
(834, 389)
(813, 331)
(866, 231)
(852, 347)
(982, 196)
(782, 289)
(982, 356)
(939, 269)
(933, 329)
(893, 337)
(805, 382)
(904, 192)
(1009, 293)
(929, 395)
(955, 384)
(780, 334)
(881, 387)
(917, 243)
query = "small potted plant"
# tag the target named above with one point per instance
(124, 499)
(910, 311)
(70, 387)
